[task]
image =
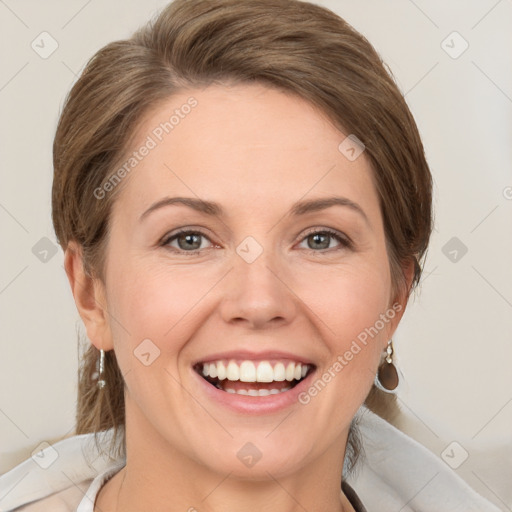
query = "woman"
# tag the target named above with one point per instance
(244, 204)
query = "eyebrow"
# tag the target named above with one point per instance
(215, 210)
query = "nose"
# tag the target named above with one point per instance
(257, 295)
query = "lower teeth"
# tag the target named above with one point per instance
(254, 392)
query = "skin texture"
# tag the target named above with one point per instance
(255, 151)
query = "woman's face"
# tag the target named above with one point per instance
(248, 282)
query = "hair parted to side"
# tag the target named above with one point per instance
(294, 46)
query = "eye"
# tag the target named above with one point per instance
(186, 240)
(320, 240)
(191, 241)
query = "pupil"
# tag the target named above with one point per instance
(318, 236)
(189, 238)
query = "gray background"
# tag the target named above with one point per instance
(454, 344)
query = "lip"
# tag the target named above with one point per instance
(253, 356)
(254, 405)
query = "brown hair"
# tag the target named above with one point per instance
(297, 47)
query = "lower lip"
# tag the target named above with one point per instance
(255, 404)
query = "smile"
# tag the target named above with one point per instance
(253, 378)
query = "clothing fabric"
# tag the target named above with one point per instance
(394, 473)
(352, 497)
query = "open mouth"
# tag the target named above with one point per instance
(253, 378)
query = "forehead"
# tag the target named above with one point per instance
(242, 145)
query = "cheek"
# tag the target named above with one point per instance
(349, 305)
(150, 301)
(348, 300)
(150, 313)
(354, 317)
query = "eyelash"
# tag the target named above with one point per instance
(345, 242)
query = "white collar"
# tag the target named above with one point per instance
(398, 473)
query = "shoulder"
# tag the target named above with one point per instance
(61, 501)
(59, 478)
(394, 467)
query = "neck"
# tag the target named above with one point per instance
(160, 478)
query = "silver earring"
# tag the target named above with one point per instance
(101, 381)
(387, 378)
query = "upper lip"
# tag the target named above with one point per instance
(254, 356)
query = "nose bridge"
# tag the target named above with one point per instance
(255, 291)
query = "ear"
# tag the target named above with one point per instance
(398, 303)
(90, 300)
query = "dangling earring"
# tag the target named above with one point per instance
(101, 381)
(387, 378)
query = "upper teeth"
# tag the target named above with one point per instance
(247, 371)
